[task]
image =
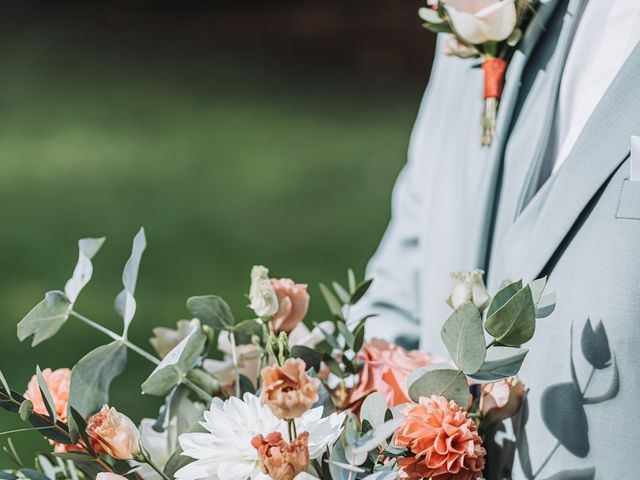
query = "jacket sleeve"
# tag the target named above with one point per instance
(395, 267)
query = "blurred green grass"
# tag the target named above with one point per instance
(225, 165)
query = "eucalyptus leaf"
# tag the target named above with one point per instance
(246, 329)
(125, 303)
(92, 376)
(211, 310)
(46, 395)
(332, 302)
(443, 27)
(449, 383)
(515, 322)
(463, 336)
(46, 318)
(175, 366)
(501, 363)
(503, 295)
(376, 437)
(337, 461)
(373, 409)
(514, 38)
(546, 305)
(26, 409)
(88, 247)
(537, 289)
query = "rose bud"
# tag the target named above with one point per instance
(166, 339)
(287, 390)
(501, 400)
(279, 459)
(114, 434)
(468, 288)
(262, 295)
(293, 301)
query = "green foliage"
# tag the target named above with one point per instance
(175, 366)
(374, 409)
(449, 383)
(501, 363)
(503, 296)
(92, 376)
(212, 311)
(463, 336)
(125, 302)
(46, 318)
(515, 322)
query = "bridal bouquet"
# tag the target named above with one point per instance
(264, 397)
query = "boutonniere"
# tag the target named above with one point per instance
(486, 29)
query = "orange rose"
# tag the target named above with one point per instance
(444, 442)
(114, 434)
(58, 382)
(386, 370)
(287, 390)
(279, 459)
(501, 400)
(293, 303)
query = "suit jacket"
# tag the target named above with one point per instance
(457, 206)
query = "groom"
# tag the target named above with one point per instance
(557, 194)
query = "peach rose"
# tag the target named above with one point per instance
(287, 390)
(279, 459)
(444, 442)
(293, 304)
(58, 382)
(501, 400)
(386, 370)
(114, 434)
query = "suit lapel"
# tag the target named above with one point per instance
(513, 81)
(601, 148)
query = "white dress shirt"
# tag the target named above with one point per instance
(607, 33)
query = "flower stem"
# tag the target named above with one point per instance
(293, 434)
(146, 459)
(116, 337)
(234, 359)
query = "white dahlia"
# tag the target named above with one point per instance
(225, 452)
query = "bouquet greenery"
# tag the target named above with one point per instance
(265, 397)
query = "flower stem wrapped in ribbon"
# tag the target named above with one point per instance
(486, 29)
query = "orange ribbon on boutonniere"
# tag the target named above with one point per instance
(487, 29)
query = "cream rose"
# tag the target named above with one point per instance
(480, 21)
(468, 288)
(264, 301)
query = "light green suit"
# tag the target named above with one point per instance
(457, 206)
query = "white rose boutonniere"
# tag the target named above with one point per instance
(486, 29)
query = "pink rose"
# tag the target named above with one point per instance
(58, 382)
(501, 400)
(386, 370)
(293, 303)
(114, 434)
